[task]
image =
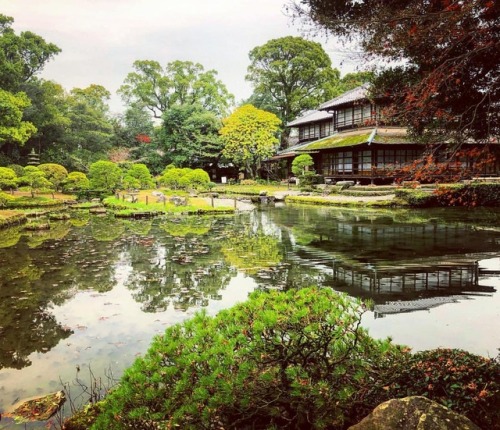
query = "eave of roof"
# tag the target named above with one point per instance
(310, 116)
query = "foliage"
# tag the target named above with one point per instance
(448, 84)
(35, 179)
(18, 169)
(12, 127)
(248, 182)
(252, 252)
(466, 383)
(76, 181)
(185, 178)
(21, 56)
(448, 165)
(279, 360)
(104, 175)
(295, 73)
(54, 173)
(469, 195)
(138, 176)
(301, 164)
(189, 136)
(7, 178)
(249, 136)
(179, 83)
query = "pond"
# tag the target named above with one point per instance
(88, 295)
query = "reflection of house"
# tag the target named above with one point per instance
(348, 139)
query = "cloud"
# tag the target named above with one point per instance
(100, 39)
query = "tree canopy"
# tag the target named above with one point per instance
(442, 68)
(21, 56)
(249, 136)
(179, 83)
(292, 74)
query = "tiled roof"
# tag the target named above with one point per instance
(310, 116)
(358, 93)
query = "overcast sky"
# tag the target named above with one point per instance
(100, 39)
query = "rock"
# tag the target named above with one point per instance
(344, 185)
(39, 408)
(263, 193)
(413, 413)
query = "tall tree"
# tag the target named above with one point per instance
(447, 80)
(189, 137)
(180, 82)
(21, 56)
(295, 73)
(12, 127)
(249, 136)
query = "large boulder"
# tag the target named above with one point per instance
(413, 413)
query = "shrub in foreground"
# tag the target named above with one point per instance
(279, 360)
(467, 383)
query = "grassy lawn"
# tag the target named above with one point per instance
(147, 202)
(8, 217)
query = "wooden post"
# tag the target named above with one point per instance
(146, 200)
(212, 199)
(235, 204)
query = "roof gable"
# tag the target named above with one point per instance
(358, 93)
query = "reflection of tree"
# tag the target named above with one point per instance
(106, 229)
(25, 325)
(252, 251)
(139, 227)
(57, 231)
(182, 271)
(191, 225)
(79, 218)
(10, 236)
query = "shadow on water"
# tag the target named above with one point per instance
(95, 289)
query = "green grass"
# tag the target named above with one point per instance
(194, 205)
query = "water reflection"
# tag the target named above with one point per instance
(115, 273)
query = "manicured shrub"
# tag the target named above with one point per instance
(8, 178)
(417, 198)
(301, 164)
(138, 176)
(54, 173)
(105, 175)
(76, 181)
(291, 359)
(184, 178)
(470, 195)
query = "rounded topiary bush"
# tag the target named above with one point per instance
(293, 359)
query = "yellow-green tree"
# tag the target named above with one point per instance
(250, 136)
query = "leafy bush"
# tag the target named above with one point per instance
(470, 195)
(54, 173)
(280, 360)
(76, 181)
(467, 383)
(184, 178)
(138, 176)
(18, 169)
(8, 178)
(474, 194)
(416, 198)
(248, 182)
(105, 175)
(301, 164)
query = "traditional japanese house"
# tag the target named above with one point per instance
(349, 140)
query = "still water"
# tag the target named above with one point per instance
(92, 292)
